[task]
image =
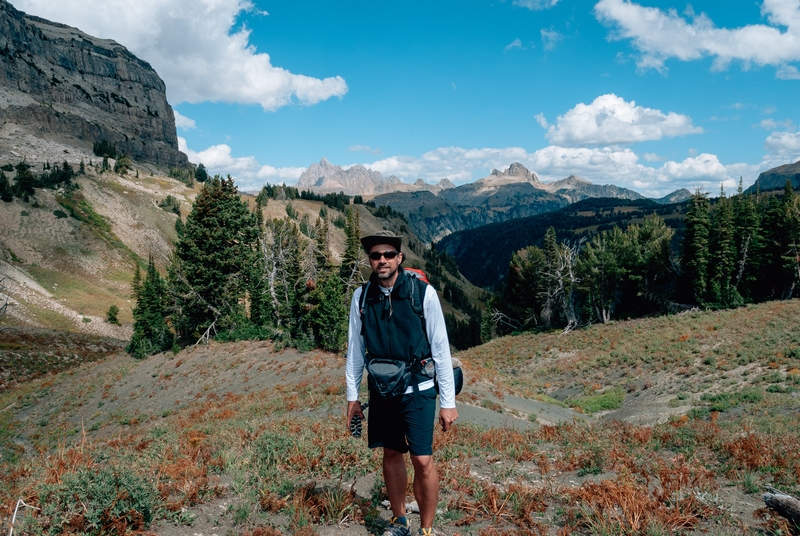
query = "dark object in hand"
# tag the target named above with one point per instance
(355, 422)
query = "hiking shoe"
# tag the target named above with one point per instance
(430, 531)
(397, 529)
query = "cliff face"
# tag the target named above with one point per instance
(59, 83)
(775, 178)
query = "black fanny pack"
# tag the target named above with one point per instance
(388, 378)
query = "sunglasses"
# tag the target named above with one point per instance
(388, 255)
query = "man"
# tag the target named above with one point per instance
(393, 330)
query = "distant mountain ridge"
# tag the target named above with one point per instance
(324, 177)
(437, 210)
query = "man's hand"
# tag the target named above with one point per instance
(353, 408)
(447, 416)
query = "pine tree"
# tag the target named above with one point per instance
(522, 300)
(25, 181)
(328, 313)
(694, 258)
(722, 255)
(200, 174)
(651, 273)
(749, 244)
(214, 260)
(6, 193)
(350, 269)
(790, 246)
(151, 334)
(603, 272)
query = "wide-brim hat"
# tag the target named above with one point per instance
(382, 237)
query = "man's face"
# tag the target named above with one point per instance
(384, 268)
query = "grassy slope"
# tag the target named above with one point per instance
(80, 265)
(245, 439)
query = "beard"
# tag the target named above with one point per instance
(388, 275)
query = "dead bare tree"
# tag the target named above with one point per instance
(743, 261)
(562, 278)
(497, 317)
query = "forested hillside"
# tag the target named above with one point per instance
(483, 253)
(745, 250)
(236, 274)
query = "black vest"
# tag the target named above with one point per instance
(391, 328)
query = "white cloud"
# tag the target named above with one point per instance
(609, 119)
(788, 72)
(653, 157)
(550, 38)
(516, 43)
(540, 118)
(195, 46)
(660, 35)
(248, 172)
(784, 145)
(183, 122)
(536, 5)
(365, 149)
(771, 124)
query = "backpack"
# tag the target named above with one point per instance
(390, 378)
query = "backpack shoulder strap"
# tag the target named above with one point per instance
(418, 289)
(362, 300)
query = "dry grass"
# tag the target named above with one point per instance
(275, 451)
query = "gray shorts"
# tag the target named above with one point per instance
(397, 424)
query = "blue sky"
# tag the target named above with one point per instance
(652, 95)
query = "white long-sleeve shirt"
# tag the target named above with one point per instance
(437, 337)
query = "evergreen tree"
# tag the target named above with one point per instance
(179, 227)
(722, 255)
(523, 297)
(789, 266)
(350, 269)
(6, 193)
(105, 164)
(214, 260)
(651, 273)
(200, 174)
(749, 244)
(604, 271)
(24, 181)
(151, 334)
(328, 313)
(322, 251)
(694, 258)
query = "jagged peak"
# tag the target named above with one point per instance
(445, 183)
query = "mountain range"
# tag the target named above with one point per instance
(435, 211)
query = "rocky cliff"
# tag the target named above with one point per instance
(58, 83)
(775, 178)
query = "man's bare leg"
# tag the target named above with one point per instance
(396, 478)
(426, 488)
